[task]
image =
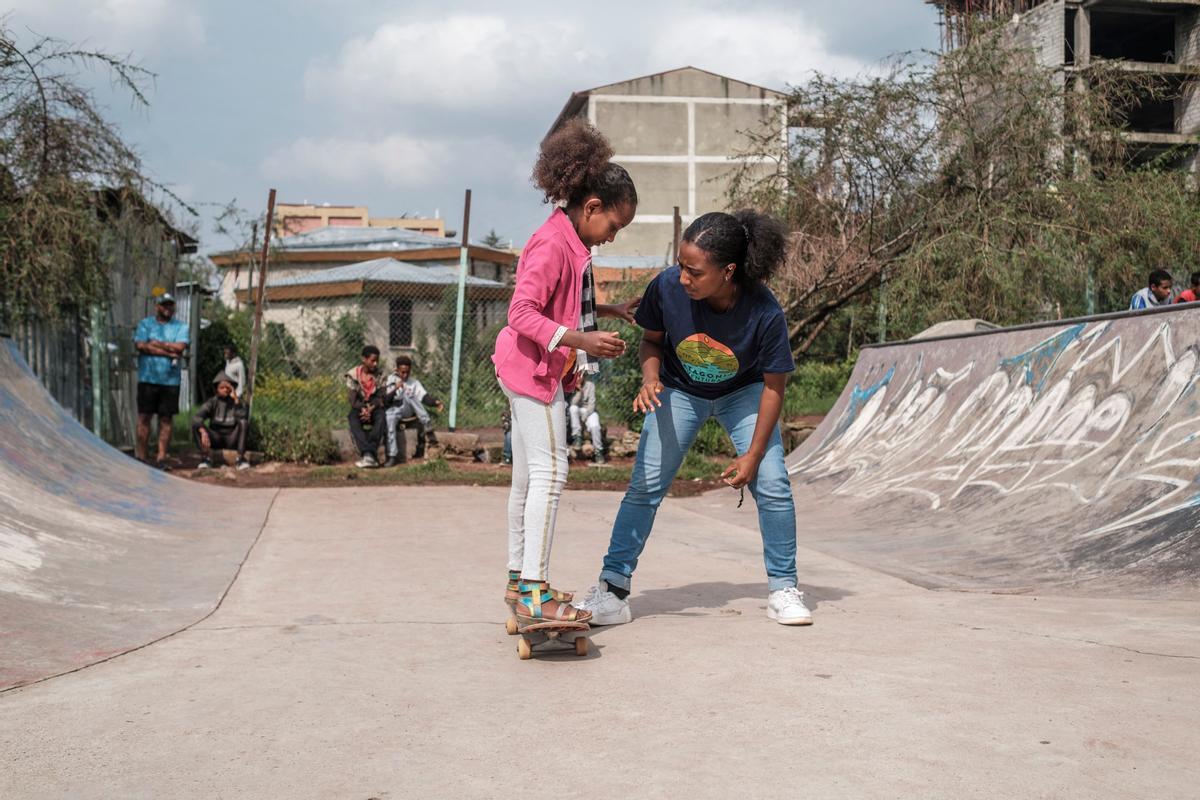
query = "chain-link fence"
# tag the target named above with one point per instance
(314, 332)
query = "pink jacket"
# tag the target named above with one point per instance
(547, 294)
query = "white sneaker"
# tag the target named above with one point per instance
(366, 462)
(242, 464)
(606, 607)
(786, 606)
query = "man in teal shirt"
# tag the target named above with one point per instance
(161, 341)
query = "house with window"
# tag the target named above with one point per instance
(400, 280)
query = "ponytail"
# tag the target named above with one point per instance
(755, 243)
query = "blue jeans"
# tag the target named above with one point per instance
(666, 437)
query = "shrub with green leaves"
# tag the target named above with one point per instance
(814, 387)
(321, 398)
(295, 438)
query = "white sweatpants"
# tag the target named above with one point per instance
(539, 471)
(593, 425)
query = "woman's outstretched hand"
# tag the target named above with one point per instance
(623, 311)
(647, 397)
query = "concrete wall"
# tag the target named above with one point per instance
(304, 318)
(1187, 37)
(680, 134)
(1043, 31)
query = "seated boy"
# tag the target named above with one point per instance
(1192, 293)
(583, 414)
(406, 397)
(366, 406)
(1157, 291)
(227, 423)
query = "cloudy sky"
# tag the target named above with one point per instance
(401, 105)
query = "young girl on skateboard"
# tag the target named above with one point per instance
(714, 344)
(550, 336)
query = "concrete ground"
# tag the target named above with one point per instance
(361, 653)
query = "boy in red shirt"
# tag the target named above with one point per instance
(1192, 294)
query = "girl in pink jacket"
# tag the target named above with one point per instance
(549, 338)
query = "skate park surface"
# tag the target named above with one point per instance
(982, 629)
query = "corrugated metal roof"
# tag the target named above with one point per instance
(385, 270)
(347, 238)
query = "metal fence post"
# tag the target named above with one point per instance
(463, 261)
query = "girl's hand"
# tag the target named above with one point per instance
(741, 471)
(647, 397)
(602, 344)
(622, 311)
(204, 440)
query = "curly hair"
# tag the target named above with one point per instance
(574, 164)
(756, 243)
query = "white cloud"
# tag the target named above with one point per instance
(771, 49)
(397, 161)
(461, 61)
(140, 26)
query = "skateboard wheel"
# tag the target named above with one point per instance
(511, 626)
(524, 651)
(581, 646)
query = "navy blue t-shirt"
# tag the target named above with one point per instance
(711, 354)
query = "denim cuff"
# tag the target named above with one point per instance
(621, 581)
(775, 584)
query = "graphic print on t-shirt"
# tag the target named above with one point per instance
(706, 360)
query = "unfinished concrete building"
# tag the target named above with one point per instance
(680, 133)
(1158, 37)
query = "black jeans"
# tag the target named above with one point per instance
(368, 441)
(223, 438)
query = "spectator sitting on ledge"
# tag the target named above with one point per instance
(1157, 293)
(406, 397)
(227, 423)
(366, 406)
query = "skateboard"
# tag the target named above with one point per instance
(552, 635)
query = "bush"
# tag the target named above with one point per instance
(814, 387)
(291, 438)
(320, 399)
(713, 440)
(620, 378)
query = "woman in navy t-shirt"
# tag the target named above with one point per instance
(714, 344)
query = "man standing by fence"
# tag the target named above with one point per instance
(161, 342)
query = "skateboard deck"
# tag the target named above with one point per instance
(552, 635)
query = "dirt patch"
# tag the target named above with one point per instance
(613, 476)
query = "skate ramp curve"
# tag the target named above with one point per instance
(1061, 456)
(100, 554)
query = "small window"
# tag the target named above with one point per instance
(400, 322)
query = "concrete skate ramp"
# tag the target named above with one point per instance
(1054, 456)
(99, 554)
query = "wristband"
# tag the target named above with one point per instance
(556, 338)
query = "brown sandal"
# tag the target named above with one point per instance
(535, 603)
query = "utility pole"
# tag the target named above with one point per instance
(256, 336)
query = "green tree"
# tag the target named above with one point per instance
(62, 163)
(974, 186)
